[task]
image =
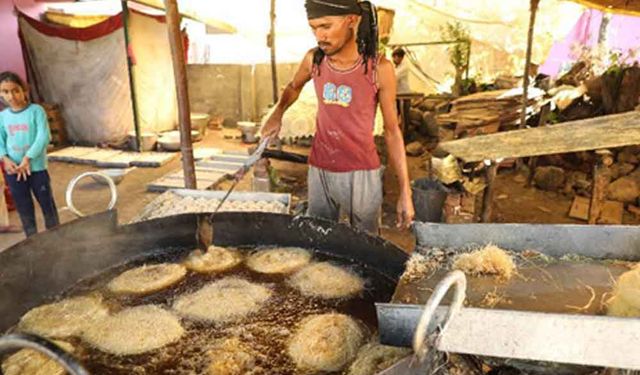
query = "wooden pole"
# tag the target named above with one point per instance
(527, 64)
(254, 94)
(489, 192)
(272, 46)
(533, 161)
(132, 86)
(180, 74)
(468, 59)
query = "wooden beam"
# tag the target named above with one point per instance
(583, 135)
(527, 64)
(272, 47)
(132, 85)
(533, 161)
(180, 75)
(489, 192)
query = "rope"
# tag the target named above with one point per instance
(414, 61)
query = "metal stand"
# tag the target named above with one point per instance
(418, 363)
(46, 347)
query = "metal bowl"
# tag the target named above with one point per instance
(116, 174)
(169, 144)
(147, 141)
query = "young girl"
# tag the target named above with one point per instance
(24, 136)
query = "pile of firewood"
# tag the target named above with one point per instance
(487, 112)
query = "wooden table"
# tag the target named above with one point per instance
(404, 99)
(597, 133)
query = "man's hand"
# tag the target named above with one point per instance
(395, 142)
(10, 166)
(272, 127)
(24, 169)
(405, 211)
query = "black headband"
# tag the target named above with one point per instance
(324, 8)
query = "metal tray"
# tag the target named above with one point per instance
(239, 196)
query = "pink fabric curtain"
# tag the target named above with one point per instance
(623, 34)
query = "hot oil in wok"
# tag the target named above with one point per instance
(265, 332)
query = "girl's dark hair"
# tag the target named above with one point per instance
(367, 38)
(13, 77)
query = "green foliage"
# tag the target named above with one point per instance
(458, 52)
(553, 118)
(617, 66)
(603, 61)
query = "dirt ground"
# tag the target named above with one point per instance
(514, 203)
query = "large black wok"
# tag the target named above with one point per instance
(40, 268)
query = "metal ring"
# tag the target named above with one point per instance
(456, 278)
(46, 347)
(74, 182)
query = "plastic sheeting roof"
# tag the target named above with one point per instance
(631, 7)
(83, 14)
(588, 40)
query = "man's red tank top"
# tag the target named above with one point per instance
(347, 102)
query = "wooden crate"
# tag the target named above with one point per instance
(462, 208)
(611, 214)
(56, 124)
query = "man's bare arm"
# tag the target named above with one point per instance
(394, 139)
(289, 96)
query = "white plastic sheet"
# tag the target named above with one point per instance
(88, 79)
(153, 74)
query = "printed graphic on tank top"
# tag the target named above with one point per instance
(347, 102)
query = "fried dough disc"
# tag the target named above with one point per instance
(226, 300)
(147, 279)
(216, 259)
(69, 317)
(230, 357)
(282, 260)
(135, 330)
(325, 342)
(326, 281)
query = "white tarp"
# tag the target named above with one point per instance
(88, 79)
(498, 30)
(153, 74)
